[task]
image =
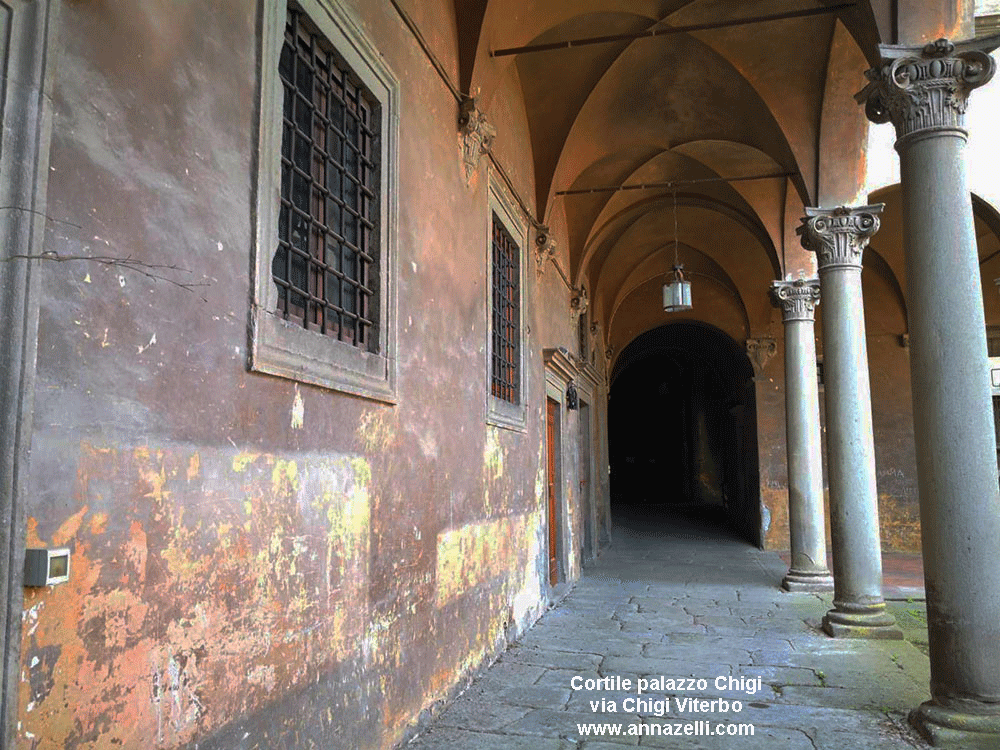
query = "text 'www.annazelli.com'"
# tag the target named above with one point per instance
(666, 729)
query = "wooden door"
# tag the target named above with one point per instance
(586, 496)
(551, 444)
(996, 425)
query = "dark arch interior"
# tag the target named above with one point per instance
(682, 431)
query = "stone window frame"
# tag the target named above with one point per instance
(29, 36)
(503, 205)
(279, 347)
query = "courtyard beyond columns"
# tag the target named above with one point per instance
(682, 600)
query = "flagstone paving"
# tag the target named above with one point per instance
(674, 603)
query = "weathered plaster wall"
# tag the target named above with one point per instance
(771, 446)
(258, 563)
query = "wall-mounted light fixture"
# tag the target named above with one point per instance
(46, 567)
(572, 397)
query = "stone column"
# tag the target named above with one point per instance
(838, 237)
(924, 91)
(806, 526)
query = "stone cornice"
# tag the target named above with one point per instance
(797, 299)
(927, 88)
(560, 362)
(839, 236)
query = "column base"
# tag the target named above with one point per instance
(944, 726)
(807, 580)
(850, 620)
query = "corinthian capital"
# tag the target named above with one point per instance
(839, 236)
(797, 299)
(925, 88)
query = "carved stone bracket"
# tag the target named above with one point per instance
(926, 88)
(579, 303)
(476, 133)
(797, 299)
(760, 351)
(545, 248)
(839, 236)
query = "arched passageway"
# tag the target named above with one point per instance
(682, 430)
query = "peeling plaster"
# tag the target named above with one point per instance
(180, 618)
(476, 553)
(298, 410)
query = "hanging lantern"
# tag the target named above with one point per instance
(677, 292)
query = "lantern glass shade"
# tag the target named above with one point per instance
(677, 293)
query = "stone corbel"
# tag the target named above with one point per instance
(476, 134)
(545, 248)
(760, 351)
(579, 303)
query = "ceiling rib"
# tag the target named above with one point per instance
(664, 31)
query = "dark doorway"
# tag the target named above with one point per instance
(683, 430)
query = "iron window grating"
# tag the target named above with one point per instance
(326, 264)
(506, 350)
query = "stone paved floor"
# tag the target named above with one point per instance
(677, 604)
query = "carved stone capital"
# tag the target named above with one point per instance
(579, 303)
(839, 236)
(760, 351)
(925, 88)
(797, 299)
(476, 133)
(545, 248)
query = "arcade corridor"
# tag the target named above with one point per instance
(365, 340)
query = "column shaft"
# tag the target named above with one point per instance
(857, 558)
(953, 423)
(924, 92)
(839, 237)
(806, 519)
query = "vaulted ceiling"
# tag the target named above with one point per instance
(723, 126)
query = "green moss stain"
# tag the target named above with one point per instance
(284, 477)
(261, 567)
(374, 432)
(242, 460)
(493, 457)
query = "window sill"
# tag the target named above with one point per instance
(288, 351)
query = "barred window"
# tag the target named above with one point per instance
(506, 350)
(327, 261)
(324, 303)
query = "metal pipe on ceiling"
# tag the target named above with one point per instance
(671, 184)
(650, 33)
